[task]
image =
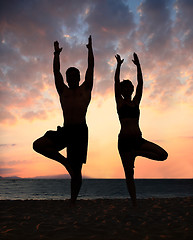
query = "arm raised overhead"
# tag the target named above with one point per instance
(139, 89)
(59, 82)
(90, 70)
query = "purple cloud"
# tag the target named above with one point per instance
(7, 145)
(7, 171)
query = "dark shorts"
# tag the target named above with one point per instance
(127, 144)
(72, 137)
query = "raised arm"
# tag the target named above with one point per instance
(139, 89)
(90, 70)
(117, 77)
(59, 82)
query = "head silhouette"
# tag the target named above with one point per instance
(127, 88)
(73, 77)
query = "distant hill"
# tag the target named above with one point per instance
(12, 177)
(59, 176)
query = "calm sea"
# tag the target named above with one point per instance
(59, 189)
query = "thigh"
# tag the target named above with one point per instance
(77, 146)
(127, 147)
(59, 138)
(128, 159)
(151, 150)
(77, 151)
(53, 139)
(47, 143)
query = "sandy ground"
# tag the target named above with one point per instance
(97, 219)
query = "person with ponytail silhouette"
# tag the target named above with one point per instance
(130, 141)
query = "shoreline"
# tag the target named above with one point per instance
(96, 199)
(154, 218)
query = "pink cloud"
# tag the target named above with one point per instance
(163, 42)
(31, 115)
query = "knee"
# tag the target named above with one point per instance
(76, 178)
(164, 156)
(36, 146)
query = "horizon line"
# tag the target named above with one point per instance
(68, 177)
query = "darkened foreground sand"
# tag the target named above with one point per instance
(97, 219)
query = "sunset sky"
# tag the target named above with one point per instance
(159, 31)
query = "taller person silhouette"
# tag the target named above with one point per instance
(73, 135)
(130, 141)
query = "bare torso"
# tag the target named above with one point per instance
(74, 103)
(129, 126)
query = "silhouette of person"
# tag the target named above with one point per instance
(130, 141)
(73, 135)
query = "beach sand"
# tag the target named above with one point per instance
(97, 219)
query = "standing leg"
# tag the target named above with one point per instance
(128, 160)
(76, 154)
(46, 147)
(76, 182)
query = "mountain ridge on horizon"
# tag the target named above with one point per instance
(59, 176)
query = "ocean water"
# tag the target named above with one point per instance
(59, 189)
